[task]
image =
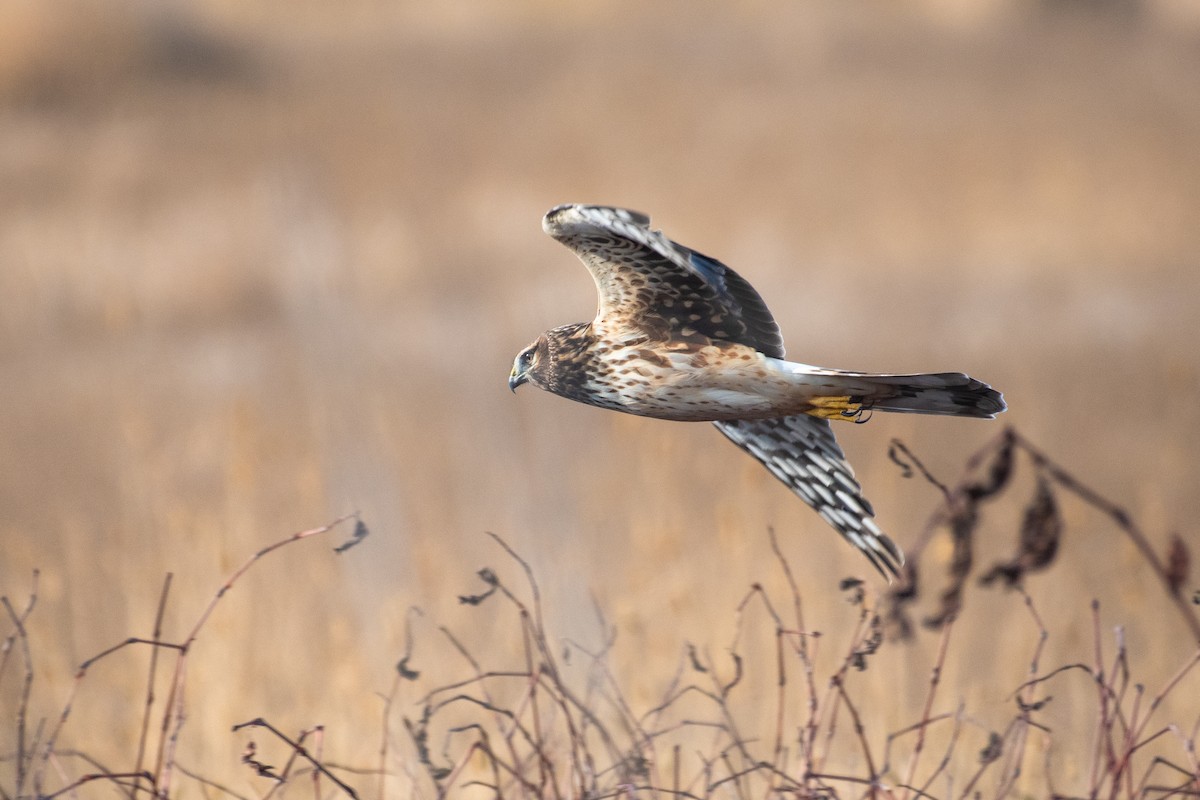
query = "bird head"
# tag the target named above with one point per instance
(526, 363)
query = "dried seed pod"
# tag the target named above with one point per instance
(1179, 563)
(1041, 532)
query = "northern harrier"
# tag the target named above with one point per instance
(681, 336)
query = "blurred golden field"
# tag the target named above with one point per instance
(265, 264)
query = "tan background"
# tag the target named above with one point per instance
(262, 264)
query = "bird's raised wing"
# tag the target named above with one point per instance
(802, 452)
(650, 284)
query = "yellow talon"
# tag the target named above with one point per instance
(835, 408)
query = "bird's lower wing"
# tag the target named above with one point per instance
(802, 452)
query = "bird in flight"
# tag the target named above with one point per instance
(680, 336)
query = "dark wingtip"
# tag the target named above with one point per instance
(887, 560)
(571, 215)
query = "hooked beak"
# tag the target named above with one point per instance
(515, 378)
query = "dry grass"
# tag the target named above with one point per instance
(783, 710)
(260, 266)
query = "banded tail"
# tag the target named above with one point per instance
(845, 394)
